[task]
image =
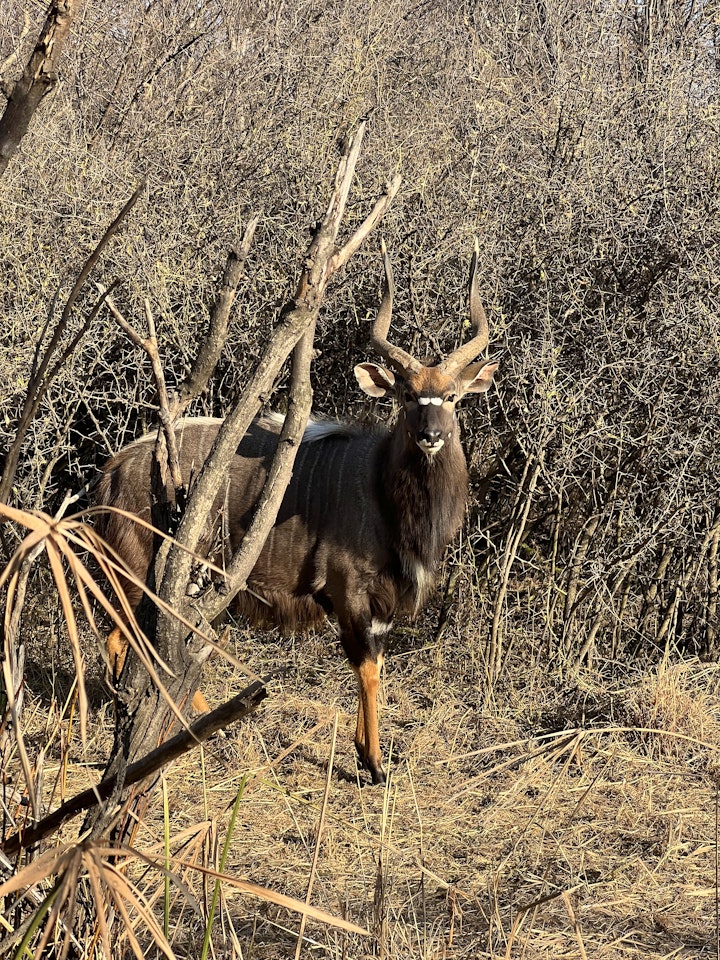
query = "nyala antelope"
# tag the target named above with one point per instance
(367, 515)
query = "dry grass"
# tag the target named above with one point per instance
(562, 821)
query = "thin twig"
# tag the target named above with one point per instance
(209, 353)
(43, 375)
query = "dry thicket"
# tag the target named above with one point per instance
(577, 141)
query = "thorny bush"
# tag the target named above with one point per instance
(579, 144)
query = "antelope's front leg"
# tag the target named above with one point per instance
(363, 640)
(367, 733)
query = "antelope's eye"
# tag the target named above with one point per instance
(409, 397)
(451, 398)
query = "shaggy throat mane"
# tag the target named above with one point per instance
(427, 499)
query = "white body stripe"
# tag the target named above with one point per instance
(316, 429)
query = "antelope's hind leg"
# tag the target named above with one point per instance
(117, 648)
(199, 703)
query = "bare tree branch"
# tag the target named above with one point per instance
(171, 460)
(38, 79)
(209, 353)
(169, 409)
(366, 227)
(299, 406)
(142, 716)
(6, 86)
(308, 299)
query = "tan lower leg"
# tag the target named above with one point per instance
(369, 679)
(360, 725)
(117, 647)
(117, 650)
(199, 703)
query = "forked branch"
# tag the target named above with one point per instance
(321, 262)
(142, 716)
(171, 461)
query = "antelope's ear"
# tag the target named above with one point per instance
(478, 376)
(374, 380)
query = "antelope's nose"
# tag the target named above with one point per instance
(430, 437)
(430, 441)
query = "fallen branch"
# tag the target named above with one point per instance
(240, 706)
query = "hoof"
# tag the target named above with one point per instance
(378, 775)
(376, 771)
